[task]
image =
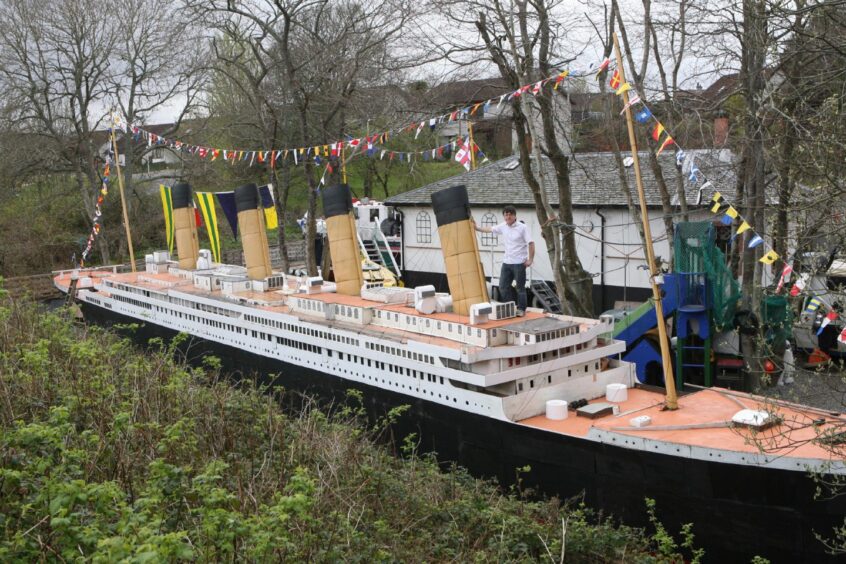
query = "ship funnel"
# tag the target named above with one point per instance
(343, 239)
(464, 270)
(253, 234)
(184, 226)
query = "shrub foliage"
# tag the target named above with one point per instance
(110, 454)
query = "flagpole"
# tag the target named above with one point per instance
(472, 151)
(343, 165)
(671, 399)
(123, 199)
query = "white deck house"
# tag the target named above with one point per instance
(607, 237)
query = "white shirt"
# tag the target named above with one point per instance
(516, 239)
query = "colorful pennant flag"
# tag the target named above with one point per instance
(829, 317)
(785, 277)
(799, 285)
(230, 210)
(656, 133)
(717, 200)
(167, 206)
(769, 258)
(744, 227)
(614, 83)
(462, 155)
(206, 200)
(755, 241)
(813, 305)
(624, 88)
(633, 99)
(668, 141)
(643, 115)
(603, 66)
(269, 206)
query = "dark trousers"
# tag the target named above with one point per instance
(508, 274)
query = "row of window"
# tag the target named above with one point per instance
(423, 224)
(548, 355)
(416, 374)
(400, 352)
(459, 328)
(137, 303)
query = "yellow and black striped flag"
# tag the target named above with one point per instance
(167, 206)
(206, 202)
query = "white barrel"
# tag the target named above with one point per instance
(616, 393)
(556, 410)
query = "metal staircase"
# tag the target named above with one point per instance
(372, 252)
(546, 296)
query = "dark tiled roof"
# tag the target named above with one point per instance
(593, 177)
(466, 91)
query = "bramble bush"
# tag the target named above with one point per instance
(108, 454)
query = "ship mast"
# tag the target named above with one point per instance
(122, 197)
(671, 399)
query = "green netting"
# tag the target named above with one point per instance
(776, 318)
(696, 251)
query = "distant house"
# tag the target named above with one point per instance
(609, 245)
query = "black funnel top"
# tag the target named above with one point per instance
(337, 200)
(180, 195)
(451, 205)
(247, 197)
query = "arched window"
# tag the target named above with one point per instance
(424, 227)
(489, 239)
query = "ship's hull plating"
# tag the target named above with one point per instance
(737, 511)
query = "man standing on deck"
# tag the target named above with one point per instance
(519, 254)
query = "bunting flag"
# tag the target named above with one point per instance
(769, 258)
(755, 241)
(656, 133)
(785, 277)
(666, 143)
(206, 200)
(799, 285)
(744, 227)
(622, 89)
(167, 206)
(813, 305)
(643, 115)
(633, 99)
(614, 83)
(603, 66)
(269, 206)
(829, 317)
(462, 155)
(561, 76)
(227, 204)
(718, 200)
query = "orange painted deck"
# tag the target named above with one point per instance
(794, 437)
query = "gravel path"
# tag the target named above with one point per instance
(824, 388)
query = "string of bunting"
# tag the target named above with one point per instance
(98, 213)
(687, 164)
(333, 149)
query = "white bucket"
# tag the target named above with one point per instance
(556, 410)
(616, 393)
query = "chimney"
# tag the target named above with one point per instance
(343, 239)
(253, 234)
(185, 225)
(465, 274)
(721, 130)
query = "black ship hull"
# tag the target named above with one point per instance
(737, 511)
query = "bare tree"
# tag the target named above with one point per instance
(523, 40)
(54, 65)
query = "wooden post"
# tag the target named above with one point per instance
(472, 152)
(123, 199)
(671, 401)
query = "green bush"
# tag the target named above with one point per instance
(110, 454)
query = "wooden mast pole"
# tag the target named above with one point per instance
(122, 196)
(671, 400)
(472, 151)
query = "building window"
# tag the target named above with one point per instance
(489, 239)
(424, 228)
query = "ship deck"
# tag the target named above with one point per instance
(704, 420)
